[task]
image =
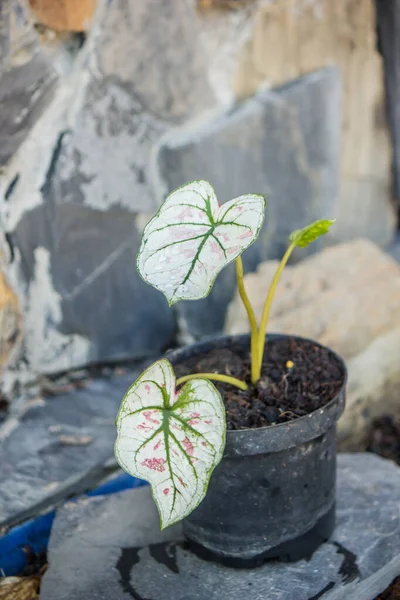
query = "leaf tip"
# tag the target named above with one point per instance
(310, 233)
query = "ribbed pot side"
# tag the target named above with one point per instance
(273, 494)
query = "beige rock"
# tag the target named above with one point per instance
(293, 37)
(345, 297)
(372, 390)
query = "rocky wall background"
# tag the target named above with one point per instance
(106, 107)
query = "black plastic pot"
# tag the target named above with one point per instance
(273, 494)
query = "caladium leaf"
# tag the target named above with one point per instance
(192, 238)
(303, 237)
(171, 439)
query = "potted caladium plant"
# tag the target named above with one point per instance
(265, 409)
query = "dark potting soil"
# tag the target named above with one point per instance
(284, 391)
(384, 438)
(392, 592)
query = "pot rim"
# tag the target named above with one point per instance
(274, 438)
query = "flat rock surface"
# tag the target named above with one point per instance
(58, 445)
(112, 547)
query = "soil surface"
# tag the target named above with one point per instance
(392, 592)
(298, 377)
(384, 438)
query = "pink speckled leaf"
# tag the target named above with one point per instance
(171, 439)
(192, 238)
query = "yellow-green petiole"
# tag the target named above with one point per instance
(214, 377)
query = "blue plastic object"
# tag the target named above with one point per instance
(36, 532)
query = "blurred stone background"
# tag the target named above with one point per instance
(108, 105)
(105, 107)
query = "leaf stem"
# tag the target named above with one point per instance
(267, 308)
(216, 377)
(252, 320)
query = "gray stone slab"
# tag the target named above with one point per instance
(73, 248)
(112, 548)
(144, 74)
(27, 78)
(82, 297)
(282, 143)
(60, 446)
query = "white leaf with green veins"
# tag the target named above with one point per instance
(171, 439)
(191, 238)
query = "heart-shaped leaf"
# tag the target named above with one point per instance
(192, 238)
(303, 237)
(171, 439)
